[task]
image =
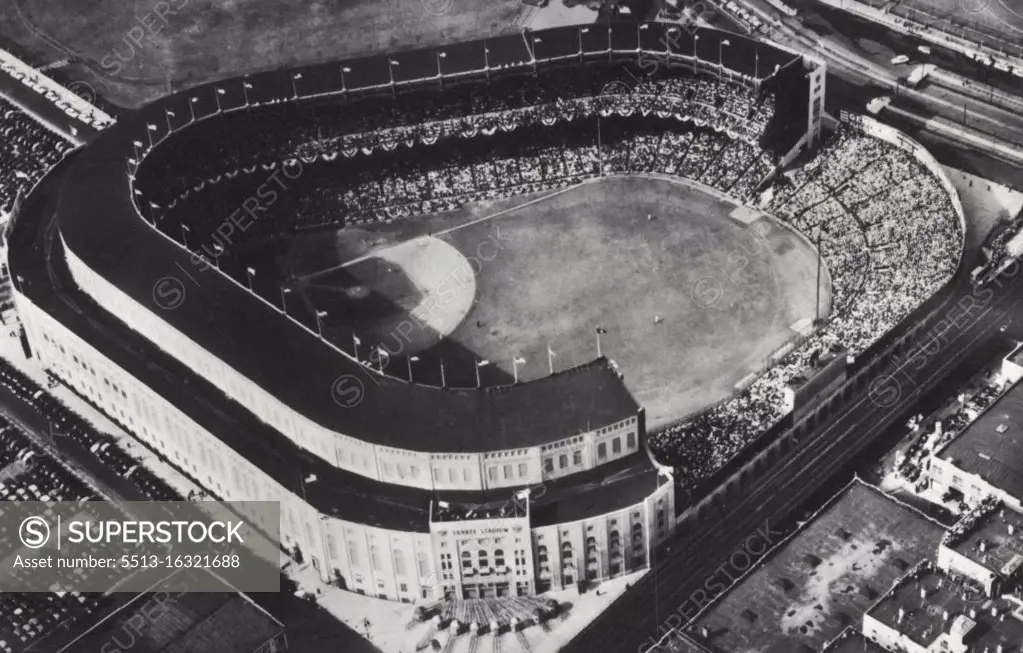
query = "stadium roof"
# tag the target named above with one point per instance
(992, 447)
(37, 259)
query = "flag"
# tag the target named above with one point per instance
(251, 271)
(549, 352)
(520, 360)
(297, 76)
(151, 128)
(601, 330)
(484, 363)
(413, 358)
(321, 313)
(247, 85)
(153, 205)
(170, 113)
(356, 340)
(21, 175)
(382, 352)
(138, 143)
(221, 91)
(394, 63)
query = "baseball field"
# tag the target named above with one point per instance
(691, 300)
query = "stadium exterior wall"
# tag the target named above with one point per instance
(391, 564)
(424, 470)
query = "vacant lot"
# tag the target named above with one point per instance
(131, 51)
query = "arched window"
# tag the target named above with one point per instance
(466, 560)
(399, 562)
(332, 547)
(353, 554)
(374, 557)
(424, 566)
(499, 558)
(483, 558)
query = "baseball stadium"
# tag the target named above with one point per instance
(532, 284)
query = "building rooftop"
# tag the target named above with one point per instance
(822, 579)
(853, 641)
(926, 605)
(992, 447)
(176, 622)
(37, 256)
(995, 541)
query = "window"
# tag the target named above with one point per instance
(353, 553)
(523, 469)
(451, 474)
(563, 461)
(548, 464)
(399, 563)
(483, 558)
(631, 440)
(602, 450)
(466, 474)
(507, 471)
(466, 560)
(436, 475)
(424, 568)
(616, 445)
(577, 458)
(331, 547)
(492, 473)
(374, 557)
(499, 557)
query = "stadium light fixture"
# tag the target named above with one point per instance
(721, 47)
(284, 299)
(249, 273)
(191, 107)
(696, 37)
(410, 360)
(294, 86)
(319, 322)
(440, 73)
(220, 92)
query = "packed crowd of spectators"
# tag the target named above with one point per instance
(890, 238)
(886, 230)
(27, 151)
(230, 143)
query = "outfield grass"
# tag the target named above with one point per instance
(550, 272)
(200, 40)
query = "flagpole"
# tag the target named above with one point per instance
(515, 369)
(598, 342)
(408, 359)
(443, 383)
(550, 360)
(478, 374)
(355, 346)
